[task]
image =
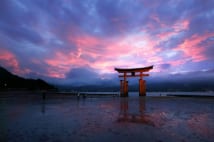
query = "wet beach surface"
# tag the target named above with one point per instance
(156, 119)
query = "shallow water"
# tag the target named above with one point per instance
(107, 119)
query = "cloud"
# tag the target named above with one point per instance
(82, 75)
(8, 59)
(59, 39)
(191, 75)
(12, 25)
(165, 66)
(192, 49)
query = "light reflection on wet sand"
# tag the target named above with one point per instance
(141, 117)
(107, 119)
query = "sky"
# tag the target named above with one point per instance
(82, 41)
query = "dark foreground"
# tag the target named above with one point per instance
(156, 119)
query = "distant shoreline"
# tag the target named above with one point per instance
(88, 94)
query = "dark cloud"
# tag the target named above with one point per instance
(17, 23)
(22, 33)
(119, 17)
(202, 23)
(191, 75)
(82, 75)
(165, 66)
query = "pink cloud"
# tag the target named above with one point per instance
(85, 40)
(62, 63)
(8, 59)
(178, 62)
(155, 18)
(192, 49)
(131, 50)
(181, 25)
(173, 30)
(86, 44)
(128, 51)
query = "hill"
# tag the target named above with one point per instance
(11, 81)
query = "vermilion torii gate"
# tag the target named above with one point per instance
(133, 72)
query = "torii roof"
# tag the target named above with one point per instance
(144, 69)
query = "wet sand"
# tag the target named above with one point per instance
(156, 119)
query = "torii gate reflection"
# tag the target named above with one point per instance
(131, 72)
(126, 114)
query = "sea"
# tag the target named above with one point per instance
(157, 117)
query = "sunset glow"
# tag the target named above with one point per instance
(51, 40)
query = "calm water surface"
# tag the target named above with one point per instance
(107, 119)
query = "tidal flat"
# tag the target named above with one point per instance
(93, 119)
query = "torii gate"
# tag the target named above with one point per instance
(131, 72)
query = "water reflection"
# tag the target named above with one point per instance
(200, 124)
(43, 108)
(127, 115)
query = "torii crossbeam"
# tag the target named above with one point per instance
(133, 72)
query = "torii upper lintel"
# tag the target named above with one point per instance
(144, 69)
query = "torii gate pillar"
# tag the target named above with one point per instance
(123, 88)
(142, 87)
(133, 71)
